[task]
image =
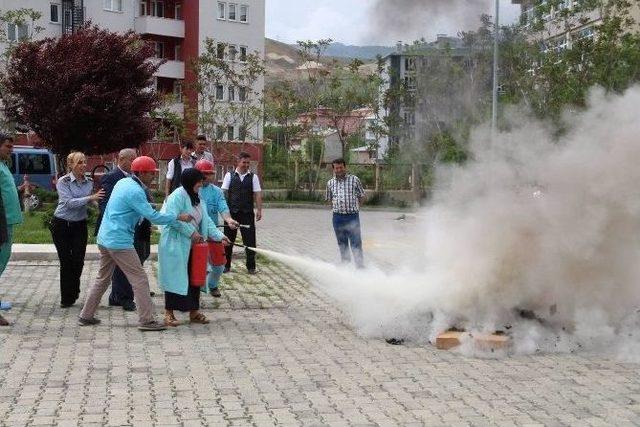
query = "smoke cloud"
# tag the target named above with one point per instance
(410, 20)
(532, 223)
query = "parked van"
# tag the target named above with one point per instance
(38, 163)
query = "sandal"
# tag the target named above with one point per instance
(170, 319)
(4, 322)
(199, 318)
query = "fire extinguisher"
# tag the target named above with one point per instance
(217, 256)
(198, 267)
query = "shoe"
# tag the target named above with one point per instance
(152, 294)
(129, 306)
(152, 326)
(88, 322)
(5, 305)
(215, 292)
(170, 319)
(395, 341)
(199, 318)
(252, 271)
(4, 322)
(66, 304)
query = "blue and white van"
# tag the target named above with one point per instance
(38, 163)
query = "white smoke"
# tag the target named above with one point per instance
(532, 223)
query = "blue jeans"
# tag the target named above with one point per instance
(213, 278)
(347, 229)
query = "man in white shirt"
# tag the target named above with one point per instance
(201, 152)
(177, 165)
(242, 188)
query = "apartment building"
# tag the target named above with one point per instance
(177, 28)
(402, 70)
(563, 25)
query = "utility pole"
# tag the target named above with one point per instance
(494, 112)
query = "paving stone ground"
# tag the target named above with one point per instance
(278, 352)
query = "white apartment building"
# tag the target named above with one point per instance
(178, 28)
(562, 29)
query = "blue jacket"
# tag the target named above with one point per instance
(127, 205)
(107, 182)
(175, 243)
(213, 196)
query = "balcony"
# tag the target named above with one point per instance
(171, 70)
(159, 26)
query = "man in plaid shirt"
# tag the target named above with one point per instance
(345, 193)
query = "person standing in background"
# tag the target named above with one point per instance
(242, 188)
(175, 167)
(345, 193)
(69, 225)
(10, 213)
(201, 152)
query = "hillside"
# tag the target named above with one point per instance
(364, 53)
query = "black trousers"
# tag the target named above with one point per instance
(248, 237)
(121, 290)
(70, 238)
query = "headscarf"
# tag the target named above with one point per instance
(189, 178)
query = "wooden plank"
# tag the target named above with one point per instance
(451, 339)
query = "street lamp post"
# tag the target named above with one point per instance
(494, 112)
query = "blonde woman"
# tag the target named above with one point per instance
(69, 225)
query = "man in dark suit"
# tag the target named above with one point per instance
(121, 290)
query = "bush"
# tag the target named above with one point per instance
(46, 196)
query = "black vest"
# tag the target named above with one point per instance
(240, 194)
(177, 173)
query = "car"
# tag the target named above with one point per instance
(38, 163)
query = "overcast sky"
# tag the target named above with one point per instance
(351, 22)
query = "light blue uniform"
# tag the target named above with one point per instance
(127, 204)
(175, 243)
(12, 211)
(213, 197)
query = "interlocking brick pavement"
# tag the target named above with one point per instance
(278, 352)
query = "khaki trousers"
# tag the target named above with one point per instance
(129, 262)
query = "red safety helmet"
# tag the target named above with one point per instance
(144, 164)
(204, 166)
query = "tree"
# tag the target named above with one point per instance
(222, 69)
(551, 75)
(16, 21)
(87, 91)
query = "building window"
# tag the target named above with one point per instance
(232, 93)
(220, 92)
(244, 12)
(160, 50)
(178, 52)
(178, 11)
(220, 51)
(157, 9)
(177, 90)
(219, 132)
(222, 10)
(231, 133)
(243, 54)
(143, 8)
(55, 13)
(243, 133)
(232, 12)
(19, 32)
(113, 5)
(233, 52)
(242, 94)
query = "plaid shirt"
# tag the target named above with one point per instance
(344, 194)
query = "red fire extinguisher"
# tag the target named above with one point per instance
(217, 256)
(198, 267)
